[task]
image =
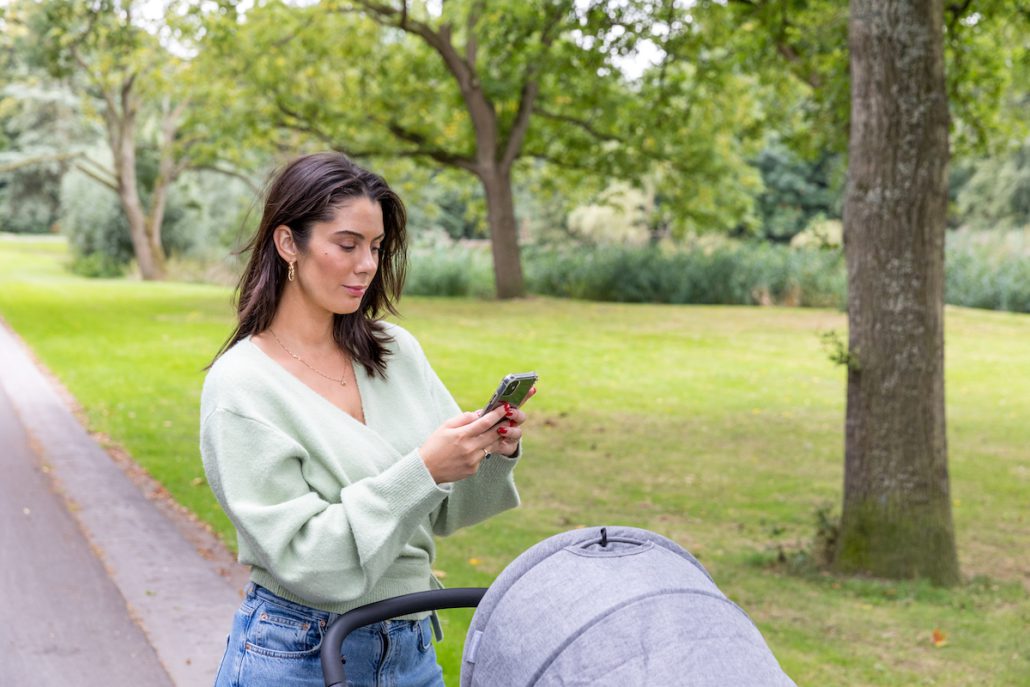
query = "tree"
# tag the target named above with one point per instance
(479, 87)
(896, 479)
(897, 518)
(133, 84)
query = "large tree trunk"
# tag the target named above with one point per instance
(897, 510)
(504, 242)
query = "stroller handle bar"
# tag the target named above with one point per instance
(332, 663)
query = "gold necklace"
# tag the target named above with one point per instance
(342, 381)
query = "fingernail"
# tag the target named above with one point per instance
(512, 423)
(502, 430)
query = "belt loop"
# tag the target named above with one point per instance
(437, 630)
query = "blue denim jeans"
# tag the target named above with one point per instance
(276, 643)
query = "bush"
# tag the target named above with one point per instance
(93, 221)
(97, 265)
(984, 270)
(203, 216)
(455, 270)
(989, 269)
(732, 273)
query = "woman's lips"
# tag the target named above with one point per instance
(355, 290)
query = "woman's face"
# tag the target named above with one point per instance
(342, 256)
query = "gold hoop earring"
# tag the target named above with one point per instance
(291, 273)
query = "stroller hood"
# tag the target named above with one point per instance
(619, 606)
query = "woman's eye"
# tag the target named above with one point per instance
(375, 249)
(347, 248)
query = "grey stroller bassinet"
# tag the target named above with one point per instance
(615, 606)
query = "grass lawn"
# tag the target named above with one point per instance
(720, 427)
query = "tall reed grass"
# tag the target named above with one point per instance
(984, 270)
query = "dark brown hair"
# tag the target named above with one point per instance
(308, 190)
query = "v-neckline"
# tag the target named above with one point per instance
(309, 389)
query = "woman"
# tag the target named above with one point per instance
(330, 442)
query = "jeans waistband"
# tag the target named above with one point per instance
(253, 590)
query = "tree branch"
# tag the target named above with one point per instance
(530, 91)
(559, 162)
(786, 50)
(436, 40)
(98, 170)
(297, 124)
(36, 160)
(427, 150)
(582, 124)
(97, 178)
(471, 44)
(231, 173)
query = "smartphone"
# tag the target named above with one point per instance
(513, 388)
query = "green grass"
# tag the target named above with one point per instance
(720, 427)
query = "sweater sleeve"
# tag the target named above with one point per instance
(474, 499)
(308, 543)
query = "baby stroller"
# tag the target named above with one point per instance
(615, 606)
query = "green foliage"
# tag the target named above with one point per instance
(796, 191)
(837, 350)
(40, 128)
(209, 214)
(204, 218)
(737, 273)
(97, 265)
(987, 64)
(445, 202)
(989, 269)
(686, 128)
(983, 270)
(713, 426)
(449, 271)
(93, 221)
(997, 193)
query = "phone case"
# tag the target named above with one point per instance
(513, 388)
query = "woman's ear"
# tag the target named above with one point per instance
(283, 238)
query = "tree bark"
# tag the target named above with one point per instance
(504, 241)
(121, 135)
(897, 519)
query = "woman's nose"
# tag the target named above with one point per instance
(369, 261)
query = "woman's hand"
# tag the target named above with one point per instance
(455, 450)
(510, 431)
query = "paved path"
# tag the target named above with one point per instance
(99, 585)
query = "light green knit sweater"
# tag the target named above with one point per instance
(329, 512)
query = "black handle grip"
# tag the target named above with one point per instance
(332, 644)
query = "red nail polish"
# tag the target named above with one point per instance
(502, 430)
(512, 423)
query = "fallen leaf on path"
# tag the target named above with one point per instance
(939, 637)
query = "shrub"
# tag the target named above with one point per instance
(93, 221)
(203, 216)
(455, 270)
(732, 273)
(97, 265)
(989, 269)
